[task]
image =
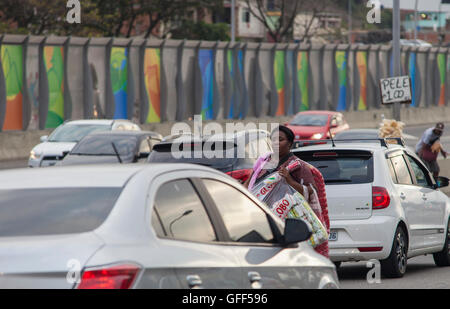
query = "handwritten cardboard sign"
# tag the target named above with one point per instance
(396, 90)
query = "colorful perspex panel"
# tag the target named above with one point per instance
(303, 79)
(12, 62)
(361, 62)
(54, 67)
(242, 90)
(119, 81)
(232, 82)
(152, 75)
(413, 73)
(341, 64)
(280, 81)
(206, 61)
(442, 74)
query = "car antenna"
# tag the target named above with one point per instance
(117, 153)
(331, 137)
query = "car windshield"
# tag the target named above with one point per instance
(52, 211)
(95, 145)
(208, 157)
(73, 133)
(310, 120)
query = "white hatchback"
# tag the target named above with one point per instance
(383, 204)
(53, 149)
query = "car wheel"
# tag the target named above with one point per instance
(395, 265)
(442, 258)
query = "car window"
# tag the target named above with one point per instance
(391, 171)
(157, 224)
(182, 213)
(103, 145)
(420, 173)
(401, 170)
(54, 211)
(74, 133)
(342, 167)
(243, 219)
(257, 148)
(144, 147)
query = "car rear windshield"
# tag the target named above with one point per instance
(98, 145)
(310, 120)
(195, 153)
(341, 167)
(53, 211)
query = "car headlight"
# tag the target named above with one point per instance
(317, 136)
(34, 155)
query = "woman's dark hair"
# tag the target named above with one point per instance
(289, 134)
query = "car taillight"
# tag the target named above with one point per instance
(112, 277)
(380, 198)
(241, 175)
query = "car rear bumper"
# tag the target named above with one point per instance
(362, 240)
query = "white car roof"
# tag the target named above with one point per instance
(84, 176)
(376, 146)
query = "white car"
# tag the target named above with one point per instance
(383, 204)
(53, 148)
(148, 226)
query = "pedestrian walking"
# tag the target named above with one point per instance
(299, 179)
(429, 147)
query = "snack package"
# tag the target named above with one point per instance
(285, 202)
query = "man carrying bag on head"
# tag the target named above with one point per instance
(429, 148)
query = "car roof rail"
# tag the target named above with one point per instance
(383, 141)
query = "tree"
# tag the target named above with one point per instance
(201, 31)
(172, 13)
(278, 16)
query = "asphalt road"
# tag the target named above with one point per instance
(421, 273)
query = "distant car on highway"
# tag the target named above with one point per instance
(112, 147)
(383, 204)
(148, 226)
(315, 125)
(254, 143)
(53, 148)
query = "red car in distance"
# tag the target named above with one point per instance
(315, 125)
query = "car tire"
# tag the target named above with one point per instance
(442, 259)
(395, 265)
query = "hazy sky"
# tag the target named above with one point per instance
(424, 5)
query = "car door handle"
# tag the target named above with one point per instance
(194, 281)
(254, 277)
(255, 280)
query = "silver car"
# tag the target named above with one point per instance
(147, 226)
(53, 148)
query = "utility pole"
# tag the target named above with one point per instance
(350, 21)
(233, 21)
(416, 21)
(396, 50)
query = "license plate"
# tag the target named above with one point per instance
(333, 236)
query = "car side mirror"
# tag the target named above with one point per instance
(296, 230)
(143, 155)
(441, 182)
(44, 138)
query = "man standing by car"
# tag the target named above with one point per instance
(428, 148)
